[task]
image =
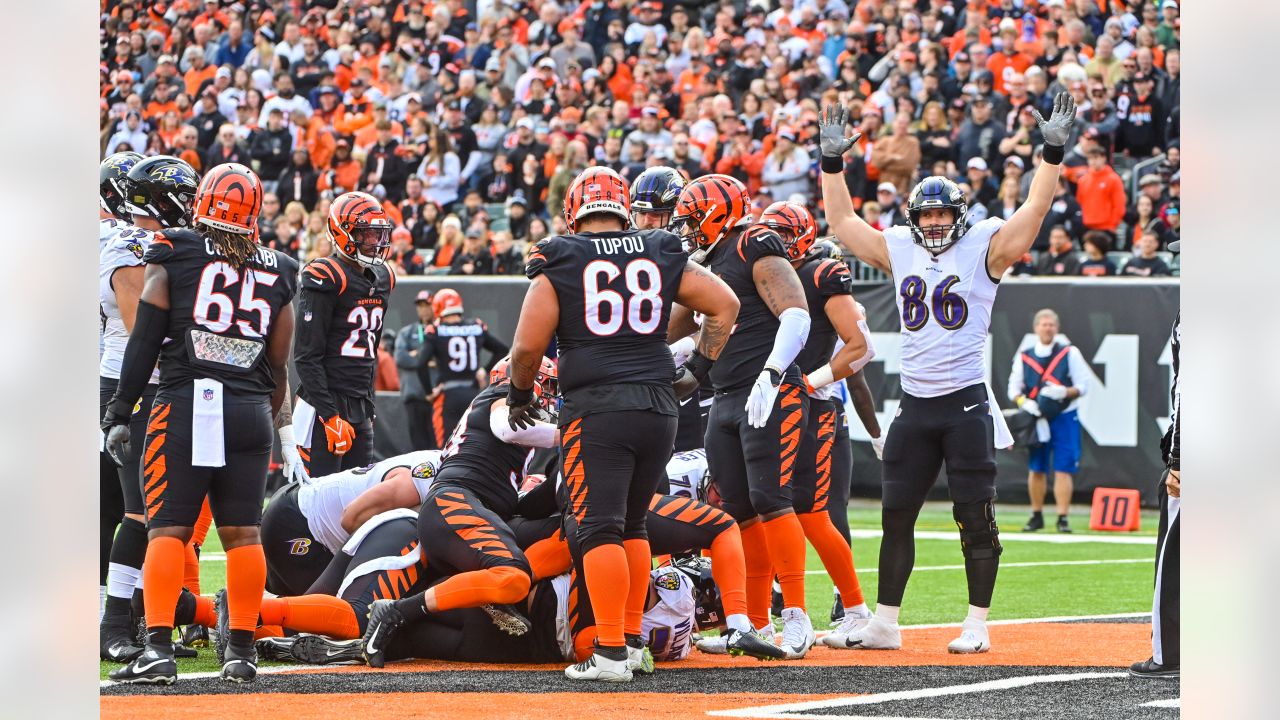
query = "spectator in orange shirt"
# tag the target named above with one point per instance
(345, 174)
(386, 379)
(1009, 61)
(1100, 193)
(199, 71)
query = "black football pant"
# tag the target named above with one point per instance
(754, 468)
(841, 474)
(459, 534)
(1165, 612)
(449, 407)
(295, 559)
(422, 432)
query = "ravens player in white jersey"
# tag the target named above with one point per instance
(946, 279)
(156, 193)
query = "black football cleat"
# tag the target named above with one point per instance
(1149, 668)
(1063, 525)
(240, 666)
(279, 649)
(117, 642)
(384, 620)
(320, 650)
(750, 643)
(195, 636)
(837, 610)
(182, 652)
(222, 631)
(1035, 523)
(508, 618)
(155, 666)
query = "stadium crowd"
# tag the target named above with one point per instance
(470, 119)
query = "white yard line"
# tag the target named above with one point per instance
(1006, 565)
(788, 711)
(1006, 537)
(213, 674)
(1170, 703)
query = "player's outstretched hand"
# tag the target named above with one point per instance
(1057, 129)
(831, 123)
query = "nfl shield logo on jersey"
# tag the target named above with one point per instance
(208, 394)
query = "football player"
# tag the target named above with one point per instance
(342, 300)
(463, 521)
(605, 292)
(216, 310)
(157, 196)
(828, 288)
(306, 523)
(758, 414)
(947, 276)
(454, 341)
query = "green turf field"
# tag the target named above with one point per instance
(1095, 584)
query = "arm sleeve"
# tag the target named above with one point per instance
(540, 435)
(316, 310)
(150, 328)
(793, 331)
(1079, 369)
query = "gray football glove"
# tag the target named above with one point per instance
(1057, 129)
(831, 123)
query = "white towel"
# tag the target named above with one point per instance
(1003, 438)
(357, 537)
(304, 421)
(1042, 431)
(378, 564)
(208, 447)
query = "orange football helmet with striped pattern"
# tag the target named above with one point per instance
(707, 210)
(360, 228)
(229, 198)
(794, 223)
(546, 384)
(597, 190)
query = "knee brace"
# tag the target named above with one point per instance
(979, 534)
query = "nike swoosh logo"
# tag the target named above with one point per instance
(369, 647)
(685, 401)
(316, 281)
(331, 653)
(967, 408)
(143, 668)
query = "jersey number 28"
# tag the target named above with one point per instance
(642, 309)
(366, 322)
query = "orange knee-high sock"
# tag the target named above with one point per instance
(549, 557)
(500, 585)
(204, 612)
(608, 580)
(786, 549)
(836, 555)
(755, 551)
(266, 631)
(323, 614)
(191, 561)
(246, 579)
(639, 565)
(729, 568)
(162, 578)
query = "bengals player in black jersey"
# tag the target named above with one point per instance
(342, 300)
(758, 412)
(454, 341)
(605, 292)
(224, 306)
(463, 521)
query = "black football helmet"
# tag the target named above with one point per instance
(827, 248)
(936, 191)
(655, 191)
(111, 174)
(163, 189)
(708, 611)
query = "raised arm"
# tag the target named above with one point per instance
(851, 231)
(1014, 238)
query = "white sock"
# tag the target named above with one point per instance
(121, 579)
(978, 613)
(102, 602)
(738, 622)
(859, 611)
(888, 613)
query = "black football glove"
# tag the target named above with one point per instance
(115, 424)
(521, 411)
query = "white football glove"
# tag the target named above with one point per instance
(1030, 406)
(760, 401)
(877, 444)
(682, 349)
(1055, 392)
(292, 461)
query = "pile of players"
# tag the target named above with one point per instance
(531, 536)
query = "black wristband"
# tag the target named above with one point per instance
(1053, 154)
(775, 377)
(119, 412)
(516, 396)
(832, 165)
(699, 365)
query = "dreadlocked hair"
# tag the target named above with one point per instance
(236, 248)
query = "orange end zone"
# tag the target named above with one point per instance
(1063, 644)
(492, 706)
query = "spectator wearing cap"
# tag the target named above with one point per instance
(404, 259)
(474, 257)
(1146, 263)
(411, 364)
(344, 171)
(285, 98)
(1114, 29)
(270, 146)
(1100, 192)
(647, 18)
(448, 244)
(383, 164)
(518, 217)
(1167, 32)
(440, 169)
(980, 135)
(786, 168)
(572, 47)
(1098, 113)
(888, 206)
(983, 188)
(897, 155)
(475, 50)
(959, 75)
(1141, 131)
(234, 46)
(544, 70)
(208, 118)
(650, 131)
(462, 139)
(1060, 258)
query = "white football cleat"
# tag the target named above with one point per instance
(797, 633)
(601, 669)
(973, 638)
(848, 625)
(876, 634)
(718, 645)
